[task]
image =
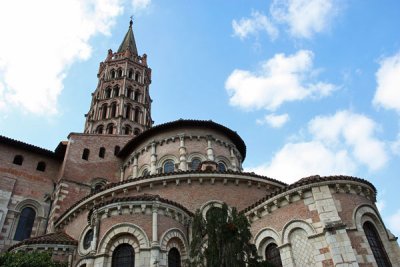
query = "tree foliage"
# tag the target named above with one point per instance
(222, 240)
(31, 259)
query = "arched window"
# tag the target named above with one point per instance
(85, 154)
(108, 93)
(221, 167)
(104, 111)
(137, 76)
(272, 255)
(116, 150)
(112, 74)
(174, 258)
(130, 73)
(137, 96)
(215, 213)
(128, 130)
(110, 128)
(123, 256)
(116, 91)
(376, 245)
(87, 240)
(102, 152)
(129, 93)
(25, 224)
(136, 131)
(136, 115)
(113, 110)
(128, 111)
(41, 166)
(119, 73)
(99, 129)
(18, 159)
(196, 163)
(168, 166)
(145, 172)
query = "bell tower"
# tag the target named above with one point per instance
(121, 103)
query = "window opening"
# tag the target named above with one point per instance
(85, 154)
(196, 164)
(87, 240)
(25, 224)
(113, 110)
(169, 166)
(272, 255)
(18, 159)
(123, 256)
(102, 152)
(221, 167)
(41, 166)
(116, 150)
(174, 258)
(376, 245)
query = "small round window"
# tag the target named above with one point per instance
(87, 240)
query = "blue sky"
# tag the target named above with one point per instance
(313, 87)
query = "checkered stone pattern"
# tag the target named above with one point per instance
(302, 250)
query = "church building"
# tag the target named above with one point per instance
(123, 192)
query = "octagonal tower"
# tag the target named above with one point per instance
(121, 103)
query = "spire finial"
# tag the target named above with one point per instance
(131, 22)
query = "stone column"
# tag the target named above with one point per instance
(210, 150)
(153, 159)
(121, 169)
(233, 160)
(96, 226)
(155, 246)
(182, 154)
(135, 166)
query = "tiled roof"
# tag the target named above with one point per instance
(236, 139)
(308, 181)
(58, 238)
(29, 147)
(142, 178)
(144, 197)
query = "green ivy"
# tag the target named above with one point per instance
(223, 240)
(30, 259)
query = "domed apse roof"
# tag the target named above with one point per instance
(232, 135)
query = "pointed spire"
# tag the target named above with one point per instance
(129, 41)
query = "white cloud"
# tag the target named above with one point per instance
(380, 204)
(394, 223)
(356, 132)
(395, 146)
(40, 42)
(251, 26)
(339, 144)
(275, 121)
(140, 4)
(281, 79)
(297, 160)
(387, 92)
(304, 17)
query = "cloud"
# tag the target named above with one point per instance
(338, 144)
(304, 17)
(394, 222)
(139, 5)
(280, 79)
(251, 26)
(39, 44)
(395, 146)
(356, 132)
(387, 94)
(275, 121)
(297, 160)
(380, 204)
